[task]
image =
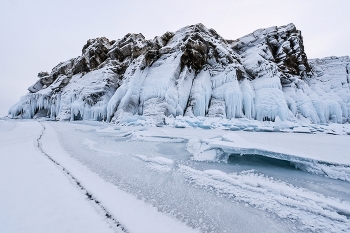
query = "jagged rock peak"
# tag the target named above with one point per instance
(281, 45)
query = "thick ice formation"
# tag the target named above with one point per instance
(221, 148)
(330, 89)
(194, 72)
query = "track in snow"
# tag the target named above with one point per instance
(114, 224)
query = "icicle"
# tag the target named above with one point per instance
(248, 99)
(201, 93)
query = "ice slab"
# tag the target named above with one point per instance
(220, 148)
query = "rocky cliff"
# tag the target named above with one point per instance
(193, 72)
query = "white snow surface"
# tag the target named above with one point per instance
(35, 196)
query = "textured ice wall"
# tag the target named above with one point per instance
(315, 89)
(86, 97)
(331, 90)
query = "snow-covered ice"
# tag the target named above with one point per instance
(37, 195)
(168, 179)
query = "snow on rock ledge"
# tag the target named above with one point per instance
(193, 72)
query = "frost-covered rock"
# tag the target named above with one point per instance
(193, 72)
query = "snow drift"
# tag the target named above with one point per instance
(193, 72)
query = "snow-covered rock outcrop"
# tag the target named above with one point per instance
(194, 72)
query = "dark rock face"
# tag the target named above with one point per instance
(194, 72)
(151, 56)
(42, 74)
(36, 87)
(129, 47)
(282, 46)
(80, 65)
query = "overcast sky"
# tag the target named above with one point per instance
(38, 34)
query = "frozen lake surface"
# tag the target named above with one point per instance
(208, 180)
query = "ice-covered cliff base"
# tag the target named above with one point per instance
(196, 73)
(241, 124)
